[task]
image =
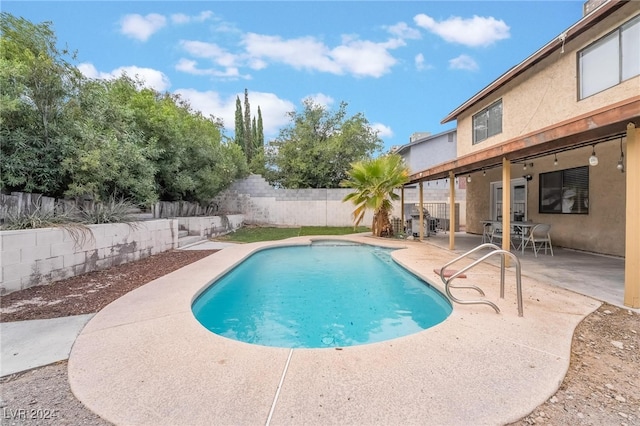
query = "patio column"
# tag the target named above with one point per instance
(506, 207)
(632, 226)
(402, 206)
(421, 211)
(452, 211)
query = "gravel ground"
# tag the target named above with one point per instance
(601, 388)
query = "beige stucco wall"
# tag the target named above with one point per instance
(600, 231)
(547, 93)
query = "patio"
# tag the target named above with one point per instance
(593, 275)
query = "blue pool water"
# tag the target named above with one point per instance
(317, 296)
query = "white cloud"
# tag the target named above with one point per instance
(274, 110)
(357, 57)
(211, 51)
(300, 53)
(148, 77)
(181, 18)
(364, 58)
(203, 16)
(474, 32)
(402, 30)
(420, 63)
(463, 62)
(383, 131)
(191, 67)
(142, 27)
(321, 99)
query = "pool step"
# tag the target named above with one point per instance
(383, 255)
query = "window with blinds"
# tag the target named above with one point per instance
(487, 122)
(565, 191)
(610, 60)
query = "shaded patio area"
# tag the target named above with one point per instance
(594, 275)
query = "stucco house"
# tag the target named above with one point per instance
(423, 151)
(561, 132)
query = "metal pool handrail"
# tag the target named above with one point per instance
(497, 250)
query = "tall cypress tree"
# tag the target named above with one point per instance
(239, 131)
(254, 135)
(260, 137)
(248, 143)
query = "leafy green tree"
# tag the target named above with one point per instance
(111, 156)
(374, 182)
(194, 164)
(65, 135)
(37, 80)
(317, 148)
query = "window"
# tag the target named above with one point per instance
(487, 122)
(565, 191)
(610, 60)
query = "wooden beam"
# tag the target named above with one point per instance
(452, 211)
(506, 209)
(564, 135)
(421, 212)
(402, 209)
(632, 227)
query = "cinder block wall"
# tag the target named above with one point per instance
(41, 256)
(262, 204)
(210, 226)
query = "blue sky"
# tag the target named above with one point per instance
(404, 64)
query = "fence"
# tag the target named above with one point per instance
(18, 203)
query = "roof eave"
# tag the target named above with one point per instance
(575, 30)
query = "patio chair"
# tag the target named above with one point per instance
(497, 235)
(538, 237)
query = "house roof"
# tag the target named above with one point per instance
(403, 148)
(572, 32)
(607, 123)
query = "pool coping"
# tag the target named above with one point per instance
(145, 359)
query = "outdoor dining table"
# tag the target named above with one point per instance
(522, 229)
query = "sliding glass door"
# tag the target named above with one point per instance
(518, 207)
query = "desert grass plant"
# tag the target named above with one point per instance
(111, 211)
(37, 218)
(41, 218)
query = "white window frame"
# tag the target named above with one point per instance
(487, 122)
(610, 60)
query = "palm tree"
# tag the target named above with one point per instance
(374, 181)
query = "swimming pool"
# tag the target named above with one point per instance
(327, 294)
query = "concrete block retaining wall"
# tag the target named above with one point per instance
(262, 204)
(210, 226)
(41, 256)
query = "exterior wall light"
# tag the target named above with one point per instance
(469, 179)
(620, 165)
(593, 160)
(555, 159)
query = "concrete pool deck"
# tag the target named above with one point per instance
(145, 359)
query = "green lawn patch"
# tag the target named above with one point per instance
(328, 230)
(255, 234)
(252, 234)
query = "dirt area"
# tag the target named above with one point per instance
(602, 386)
